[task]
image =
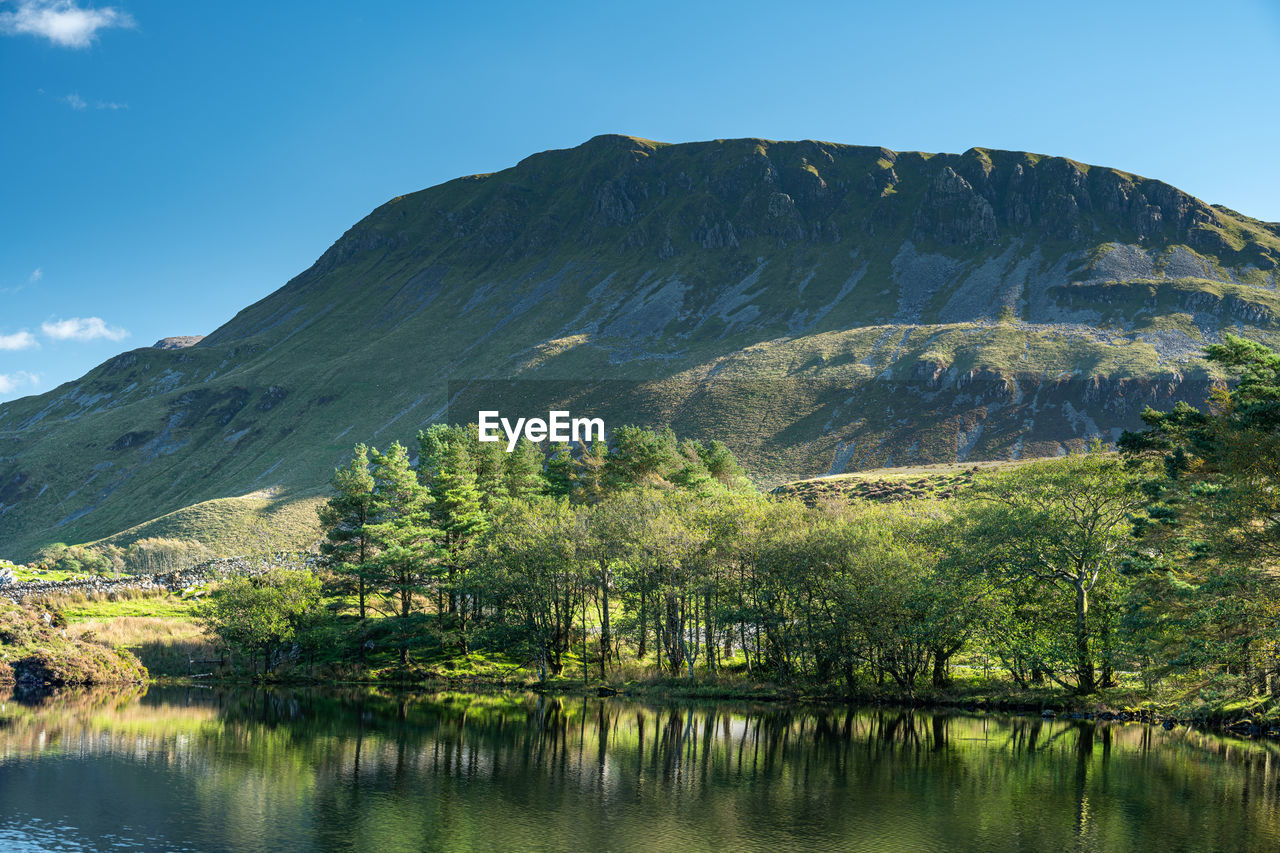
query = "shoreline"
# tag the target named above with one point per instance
(1048, 706)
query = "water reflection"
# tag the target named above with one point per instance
(299, 770)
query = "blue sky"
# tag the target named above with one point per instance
(167, 163)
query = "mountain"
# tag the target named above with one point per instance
(821, 308)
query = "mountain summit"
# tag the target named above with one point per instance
(818, 307)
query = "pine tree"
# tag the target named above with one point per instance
(523, 471)
(490, 460)
(403, 530)
(431, 447)
(460, 516)
(560, 475)
(345, 518)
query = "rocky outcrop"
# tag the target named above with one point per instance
(178, 342)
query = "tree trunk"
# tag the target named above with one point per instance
(941, 668)
(605, 635)
(644, 626)
(1085, 677)
(711, 639)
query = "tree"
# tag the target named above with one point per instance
(401, 528)
(639, 456)
(535, 569)
(347, 545)
(1211, 532)
(522, 471)
(458, 513)
(260, 614)
(1055, 526)
(560, 473)
(1221, 466)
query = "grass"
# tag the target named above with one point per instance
(258, 522)
(163, 643)
(910, 482)
(27, 574)
(123, 605)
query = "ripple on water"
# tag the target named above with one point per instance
(21, 833)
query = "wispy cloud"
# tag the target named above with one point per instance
(10, 382)
(82, 329)
(18, 340)
(76, 102)
(34, 278)
(62, 22)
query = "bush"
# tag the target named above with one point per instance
(257, 616)
(78, 663)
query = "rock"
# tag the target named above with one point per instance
(202, 573)
(178, 342)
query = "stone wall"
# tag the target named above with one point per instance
(201, 573)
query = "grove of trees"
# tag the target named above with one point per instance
(1155, 565)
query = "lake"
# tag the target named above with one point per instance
(285, 770)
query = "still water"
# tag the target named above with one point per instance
(313, 770)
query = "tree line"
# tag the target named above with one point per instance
(655, 553)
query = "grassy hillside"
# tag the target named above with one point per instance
(821, 308)
(261, 522)
(911, 482)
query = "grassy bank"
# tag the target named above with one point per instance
(36, 651)
(163, 632)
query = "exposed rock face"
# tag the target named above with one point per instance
(818, 307)
(178, 342)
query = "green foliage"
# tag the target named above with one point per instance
(260, 615)
(79, 559)
(1051, 531)
(402, 529)
(1211, 529)
(347, 545)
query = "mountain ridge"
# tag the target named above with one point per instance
(819, 307)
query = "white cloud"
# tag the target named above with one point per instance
(78, 103)
(18, 340)
(10, 382)
(62, 22)
(82, 329)
(36, 275)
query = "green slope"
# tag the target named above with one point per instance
(261, 522)
(819, 307)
